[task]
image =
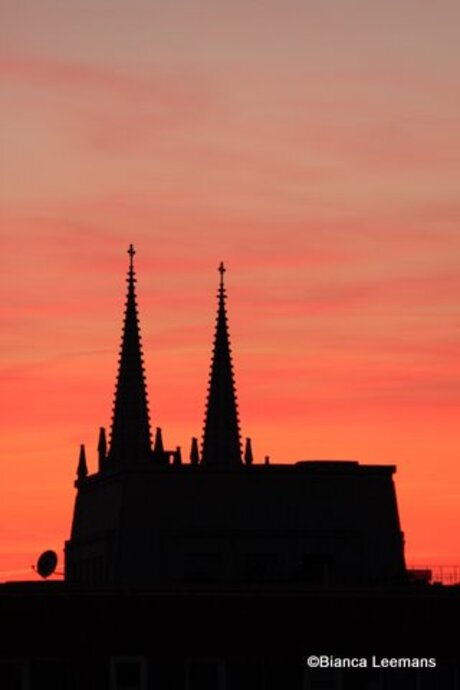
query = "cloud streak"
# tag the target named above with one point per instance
(51, 72)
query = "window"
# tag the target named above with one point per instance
(245, 674)
(14, 675)
(50, 673)
(128, 673)
(206, 674)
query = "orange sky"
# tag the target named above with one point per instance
(314, 147)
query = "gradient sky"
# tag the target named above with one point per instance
(315, 148)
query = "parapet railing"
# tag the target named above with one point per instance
(447, 574)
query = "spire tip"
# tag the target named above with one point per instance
(221, 270)
(131, 252)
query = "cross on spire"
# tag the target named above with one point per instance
(221, 270)
(131, 252)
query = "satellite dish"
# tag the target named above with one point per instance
(46, 564)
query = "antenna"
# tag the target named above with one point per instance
(46, 564)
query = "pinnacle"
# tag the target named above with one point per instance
(130, 433)
(221, 437)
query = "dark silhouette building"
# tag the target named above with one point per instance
(223, 573)
(146, 517)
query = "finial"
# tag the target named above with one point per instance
(221, 270)
(158, 446)
(194, 452)
(131, 252)
(177, 456)
(248, 457)
(160, 455)
(102, 448)
(82, 470)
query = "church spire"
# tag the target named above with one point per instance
(221, 438)
(130, 437)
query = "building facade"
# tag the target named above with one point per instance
(147, 517)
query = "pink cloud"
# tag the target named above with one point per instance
(110, 110)
(42, 71)
(315, 296)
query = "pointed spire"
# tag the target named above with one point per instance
(221, 438)
(248, 457)
(102, 448)
(194, 452)
(130, 437)
(82, 469)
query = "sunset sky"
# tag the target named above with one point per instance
(314, 146)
